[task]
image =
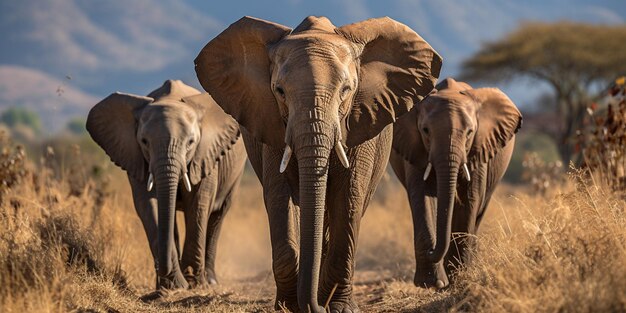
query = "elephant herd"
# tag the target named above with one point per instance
(319, 111)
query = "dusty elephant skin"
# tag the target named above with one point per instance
(315, 104)
(450, 151)
(180, 151)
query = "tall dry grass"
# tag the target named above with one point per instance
(562, 253)
(71, 241)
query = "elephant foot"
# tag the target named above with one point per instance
(210, 277)
(348, 306)
(196, 280)
(286, 302)
(286, 305)
(434, 277)
(175, 280)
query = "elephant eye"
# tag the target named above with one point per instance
(469, 132)
(280, 91)
(344, 92)
(144, 141)
(425, 130)
(191, 141)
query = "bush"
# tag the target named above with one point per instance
(20, 116)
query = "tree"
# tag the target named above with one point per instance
(20, 116)
(573, 58)
(77, 126)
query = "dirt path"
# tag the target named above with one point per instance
(374, 291)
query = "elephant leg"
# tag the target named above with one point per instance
(283, 217)
(197, 211)
(338, 266)
(213, 232)
(146, 206)
(481, 212)
(463, 230)
(464, 223)
(349, 194)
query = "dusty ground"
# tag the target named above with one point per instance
(73, 242)
(384, 263)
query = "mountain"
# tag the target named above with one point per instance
(104, 45)
(133, 46)
(54, 100)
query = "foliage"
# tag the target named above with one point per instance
(12, 164)
(529, 142)
(573, 58)
(77, 126)
(15, 116)
(541, 175)
(603, 139)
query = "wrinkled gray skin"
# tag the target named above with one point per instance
(315, 91)
(175, 131)
(454, 125)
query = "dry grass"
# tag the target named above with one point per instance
(75, 244)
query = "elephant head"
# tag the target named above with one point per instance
(451, 132)
(173, 136)
(311, 90)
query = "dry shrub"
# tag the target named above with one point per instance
(12, 164)
(566, 254)
(541, 175)
(70, 240)
(46, 252)
(603, 138)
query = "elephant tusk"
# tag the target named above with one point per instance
(150, 182)
(286, 157)
(466, 171)
(427, 172)
(342, 154)
(187, 182)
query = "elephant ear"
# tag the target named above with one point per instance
(234, 68)
(112, 123)
(498, 120)
(397, 69)
(219, 132)
(407, 140)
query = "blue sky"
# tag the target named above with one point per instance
(133, 46)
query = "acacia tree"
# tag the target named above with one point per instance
(573, 58)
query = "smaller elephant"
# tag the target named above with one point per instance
(455, 131)
(180, 151)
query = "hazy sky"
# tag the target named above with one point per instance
(133, 46)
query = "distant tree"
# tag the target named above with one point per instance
(573, 58)
(15, 116)
(76, 126)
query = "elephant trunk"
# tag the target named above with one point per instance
(314, 143)
(447, 171)
(167, 176)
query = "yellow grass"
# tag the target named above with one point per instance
(79, 246)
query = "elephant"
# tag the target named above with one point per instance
(455, 131)
(180, 151)
(314, 105)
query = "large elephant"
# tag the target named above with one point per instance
(314, 103)
(180, 142)
(455, 130)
